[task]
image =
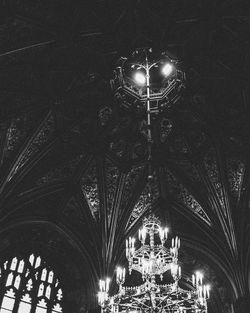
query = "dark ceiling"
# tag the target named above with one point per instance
(73, 173)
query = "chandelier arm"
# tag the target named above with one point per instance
(140, 302)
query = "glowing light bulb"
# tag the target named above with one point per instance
(140, 78)
(167, 69)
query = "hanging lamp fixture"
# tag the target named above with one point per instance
(153, 260)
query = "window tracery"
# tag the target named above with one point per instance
(29, 286)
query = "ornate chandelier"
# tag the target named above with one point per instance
(152, 260)
(152, 84)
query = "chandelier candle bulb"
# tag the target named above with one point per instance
(143, 233)
(173, 249)
(118, 274)
(133, 245)
(101, 284)
(140, 78)
(107, 284)
(124, 273)
(167, 69)
(207, 292)
(204, 291)
(166, 233)
(193, 280)
(176, 242)
(198, 278)
(161, 234)
(201, 278)
(200, 291)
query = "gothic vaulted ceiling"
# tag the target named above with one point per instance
(73, 174)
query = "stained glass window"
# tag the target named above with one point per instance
(30, 285)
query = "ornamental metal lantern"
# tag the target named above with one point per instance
(145, 74)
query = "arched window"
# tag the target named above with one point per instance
(30, 286)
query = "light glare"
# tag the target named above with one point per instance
(140, 78)
(167, 69)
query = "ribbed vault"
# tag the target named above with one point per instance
(73, 174)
